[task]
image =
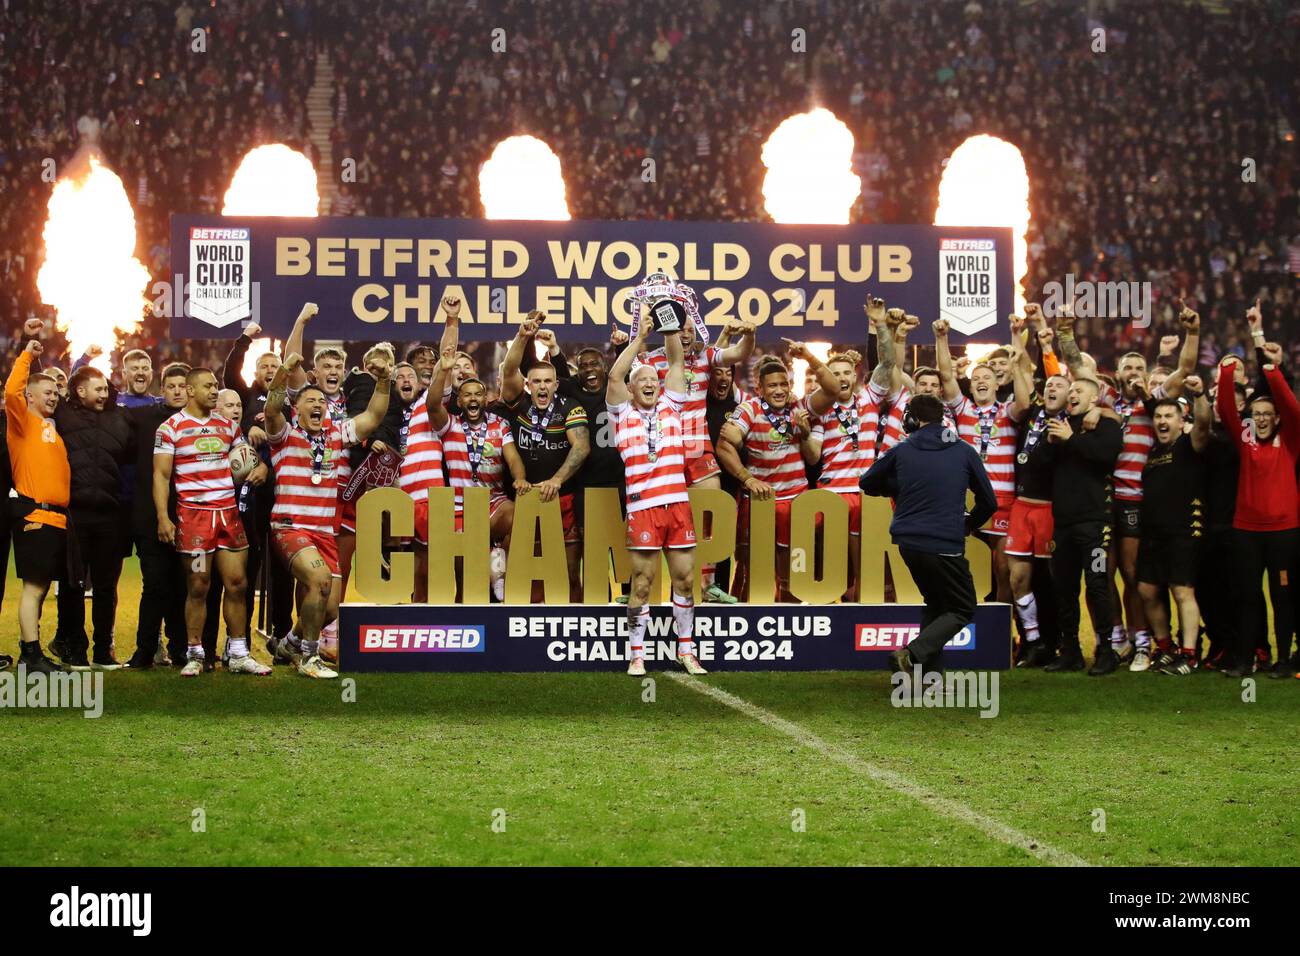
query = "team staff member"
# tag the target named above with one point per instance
(98, 439)
(1081, 462)
(551, 435)
(1267, 513)
(43, 486)
(648, 432)
(928, 476)
(162, 596)
(1173, 520)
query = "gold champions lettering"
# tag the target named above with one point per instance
(614, 267)
(819, 566)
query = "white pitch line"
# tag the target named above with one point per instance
(944, 806)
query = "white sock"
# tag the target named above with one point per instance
(684, 622)
(1117, 635)
(640, 617)
(293, 639)
(310, 648)
(1143, 640)
(1027, 607)
(330, 630)
(236, 646)
(194, 652)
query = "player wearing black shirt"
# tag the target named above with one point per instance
(551, 436)
(1082, 462)
(1172, 524)
(1029, 535)
(1216, 592)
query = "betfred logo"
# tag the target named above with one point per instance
(384, 638)
(894, 637)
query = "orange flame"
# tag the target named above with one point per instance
(810, 178)
(985, 184)
(522, 179)
(90, 274)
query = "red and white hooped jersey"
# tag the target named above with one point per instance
(652, 484)
(300, 502)
(1139, 435)
(991, 431)
(200, 453)
(774, 459)
(842, 464)
(422, 462)
(695, 425)
(493, 434)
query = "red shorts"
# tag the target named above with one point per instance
(1000, 523)
(204, 530)
(782, 520)
(348, 514)
(570, 519)
(1030, 534)
(667, 526)
(289, 542)
(854, 501)
(494, 502)
(422, 521)
(705, 465)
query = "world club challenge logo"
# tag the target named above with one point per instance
(895, 637)
(219, 275)
(968, 288)
(399, 638)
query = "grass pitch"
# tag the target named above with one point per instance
(580, 769)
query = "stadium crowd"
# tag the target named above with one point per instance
(1132, 179)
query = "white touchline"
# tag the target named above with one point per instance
(941, 805)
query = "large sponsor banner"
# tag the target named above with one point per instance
(743, 637)
(382, 279)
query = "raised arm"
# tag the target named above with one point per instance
(275, 395)
(616, 392)
(1190, 354)
(293, 345)
(438, 385)
(820, 401)
(741, 350)
(16, 387)
(898, 379)
(512, 379)
(377, 407)
(675, 380)
(1065, 341)
(1225, 400)
(886, 328)
(451, 330)
(1022, 371)
(943, 362)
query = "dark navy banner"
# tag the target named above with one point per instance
(383, 278)
(743, 637)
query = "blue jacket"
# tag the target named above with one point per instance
(928, 476)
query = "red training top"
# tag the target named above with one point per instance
(1267, 499)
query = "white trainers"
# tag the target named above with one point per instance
(314, 667)
(193, 668)
(1141, 660)
(691, 663)
(497, 573)
(1124, 651)
(636, 668)
(247, 665)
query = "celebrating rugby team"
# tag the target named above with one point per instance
(1167, 495)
